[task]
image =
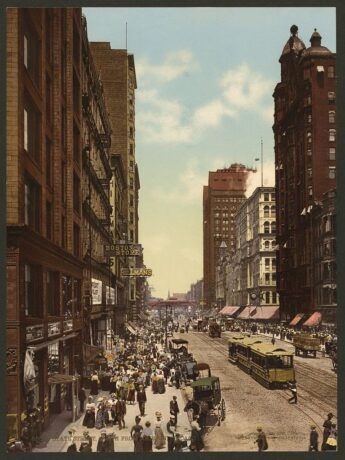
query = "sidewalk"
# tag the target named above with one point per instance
(55, 438)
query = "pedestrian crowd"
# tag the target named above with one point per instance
(132, 374)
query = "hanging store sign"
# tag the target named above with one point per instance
(68, 325)
(136, 271)
(96, 291)
(110, 295)
(54, 328)
(34, 333)
(122, 249)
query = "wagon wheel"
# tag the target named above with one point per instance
(223, 413)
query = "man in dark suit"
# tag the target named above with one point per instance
(174, 409)
(314, 440)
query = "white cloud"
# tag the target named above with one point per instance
(163, 120)
(177, 63)
(254, 179)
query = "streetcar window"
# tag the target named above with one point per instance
(279, 362)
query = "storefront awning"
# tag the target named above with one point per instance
(247, 313)
(296, 319)
(266, 313)
(61, 378)
(229, 311)
(131, 328)
(314, 320)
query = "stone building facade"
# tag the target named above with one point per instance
(252, 265)
(305, 153)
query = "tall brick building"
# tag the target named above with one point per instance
(222, 198)
(305, 152)
(117, 71)
(97, 175)
(44, 264)
(59, 285)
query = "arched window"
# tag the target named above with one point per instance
(267, 244)
(273, 211)
(309, 137)
(332, 135)
(267, 297)
(273, 227)
(266, 227)
(266, 211)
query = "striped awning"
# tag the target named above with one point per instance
(247, 313)
(314, 320)
(296, 319)
(229, 311)
(271, 312)
(131, 328)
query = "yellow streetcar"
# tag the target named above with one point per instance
(232, 343)
(243, 352)
(272, 366)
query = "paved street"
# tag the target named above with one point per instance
(249, 404)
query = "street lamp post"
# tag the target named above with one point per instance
(166, 327)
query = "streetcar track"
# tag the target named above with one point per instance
(311, 403)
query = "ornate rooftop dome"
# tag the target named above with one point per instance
(294, 43)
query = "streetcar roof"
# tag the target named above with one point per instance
(236, 338)
(271, 350)
(204, 382)
(250, 341)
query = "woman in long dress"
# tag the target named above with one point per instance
(147, 436)
(94, 384)
(100, 417)
(131, 392)
(89, 418)
(159, 436)
(136, 432)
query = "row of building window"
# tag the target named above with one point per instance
(269, 227)
(269, 196)
(62, 293)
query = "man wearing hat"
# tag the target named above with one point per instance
(120, 409)
(174, 409)
(72, 447)
(314, 440)
(327, 425)
(261, 440)
(171, 428)
(141, 398)
(102, 443)
(87, 437)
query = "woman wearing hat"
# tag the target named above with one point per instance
(159, 435)
(147, 436)
(131, 391)
(196, 438)
(136, 432)
(94, 384)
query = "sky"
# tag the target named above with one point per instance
(204, 100)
